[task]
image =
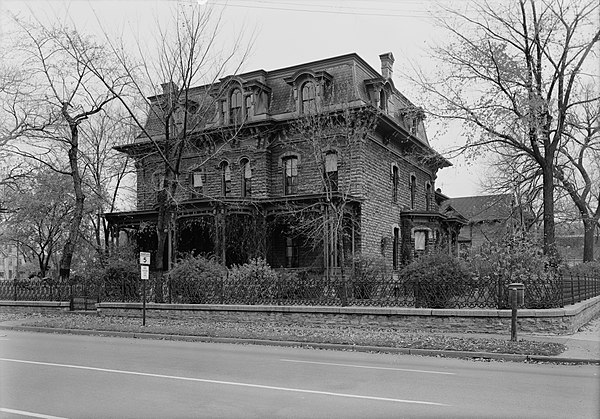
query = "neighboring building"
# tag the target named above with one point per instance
(12, 263)
(243, 174)
(490, 218)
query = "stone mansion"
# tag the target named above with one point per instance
(269, 163)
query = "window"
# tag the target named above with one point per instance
(225, 178)
(395, 178)
(235, 115)
(246, 178)
(290, 173)
(308, 97)
(331, 171)
(420, 240)
(413, 191)
(223, 111)
(428, 196)
(158, 180)
(197, 181)
(248, 102)
(291, 252)
(382, 100)
(396, 248)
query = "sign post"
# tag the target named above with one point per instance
(145, 275)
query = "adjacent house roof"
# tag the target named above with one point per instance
(482, 208)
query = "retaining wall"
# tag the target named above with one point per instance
(558, 320)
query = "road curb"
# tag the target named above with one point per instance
(312, 345)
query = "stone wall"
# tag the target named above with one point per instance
(554, 321)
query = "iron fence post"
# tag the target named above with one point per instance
(15, 289)
(572, 291)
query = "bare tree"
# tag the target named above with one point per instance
(578, 166)
(57, 93)
(105, 169)
(509, 74)
(332, 137)
(187, 53)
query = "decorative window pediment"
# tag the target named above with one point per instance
(309, 89)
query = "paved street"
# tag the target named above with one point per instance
(66, 376)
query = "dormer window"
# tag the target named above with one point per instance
(235, 107)
(248, 106)
(308, 99)
(383, 100)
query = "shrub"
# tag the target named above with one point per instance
(367, 271)
(589, 269)
(436, 279)
(252, 281)
(301, 284)
(195, 280)
(517, 260)
(118, 277)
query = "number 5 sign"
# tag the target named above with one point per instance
(144, 258)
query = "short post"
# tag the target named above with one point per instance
(516, 296)
(145, 275)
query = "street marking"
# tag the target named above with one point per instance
(30, 414)
(229, 383)
(367, 367)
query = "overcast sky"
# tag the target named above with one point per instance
(289, 32)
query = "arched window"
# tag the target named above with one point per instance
(308, 97)
(246, 177)
(413, 191)
(235, 107)
(225, 178)
(331, 171)
(290, 175)
(197, 181)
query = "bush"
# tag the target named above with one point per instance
(195, 280)
(436, 279)
(367, 271)
(588, 269)
(252, 281)
(301, 284)
(118, 277)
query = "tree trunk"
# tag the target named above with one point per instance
(589, 225)
(71, 242)
(162, 226)
(548, 198)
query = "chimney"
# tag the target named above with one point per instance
(169, 88)
(387, 65)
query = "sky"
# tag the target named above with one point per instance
(286, 33)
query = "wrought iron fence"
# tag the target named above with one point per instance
(311, 287)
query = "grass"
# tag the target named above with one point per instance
(350, 335)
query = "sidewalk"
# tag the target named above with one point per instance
(583, 347)
(585, 344)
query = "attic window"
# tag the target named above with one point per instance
(308, 97)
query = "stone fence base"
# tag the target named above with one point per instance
(555, 321)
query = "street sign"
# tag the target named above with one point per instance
(145, 271)
(144, 258)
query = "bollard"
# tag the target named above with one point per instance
(516, 297)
